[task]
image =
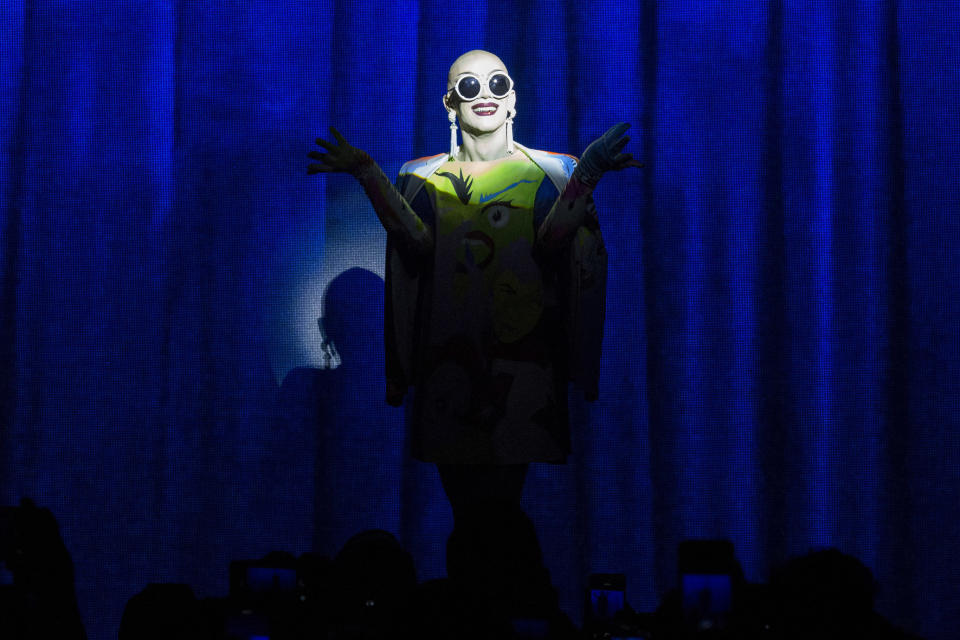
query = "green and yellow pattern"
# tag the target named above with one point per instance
(485, 234)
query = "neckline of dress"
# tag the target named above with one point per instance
(513, 156)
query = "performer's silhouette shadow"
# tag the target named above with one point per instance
(359, 438)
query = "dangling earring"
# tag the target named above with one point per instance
(452, 117)
(510, 115)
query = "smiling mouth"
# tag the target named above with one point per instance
(480, 243)
(485, 108)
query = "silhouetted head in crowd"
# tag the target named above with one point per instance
(375, 577)
(160, 612)
(823, 592)
(41, 602)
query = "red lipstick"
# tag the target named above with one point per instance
(485, 108)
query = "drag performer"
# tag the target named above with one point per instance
(495, 285)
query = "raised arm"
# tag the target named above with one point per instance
(576, 202)
(395, 213)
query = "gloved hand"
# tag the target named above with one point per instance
(604, 154)
(340, 156)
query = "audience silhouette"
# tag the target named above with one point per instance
(41, 601)
(163, 611)
(497, 586)
(828, 594)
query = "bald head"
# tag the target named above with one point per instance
(478, 62)
(485, 104)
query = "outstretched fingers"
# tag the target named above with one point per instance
(625, 160)
(617, 130)
(619, 145)
(319, 168)
(621, 160)
(340, 139)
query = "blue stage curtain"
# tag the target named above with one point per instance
(782, 353)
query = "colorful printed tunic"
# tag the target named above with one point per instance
(488, 345)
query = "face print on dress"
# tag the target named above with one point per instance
(461, 185)
(485, 239)
(491, 232)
